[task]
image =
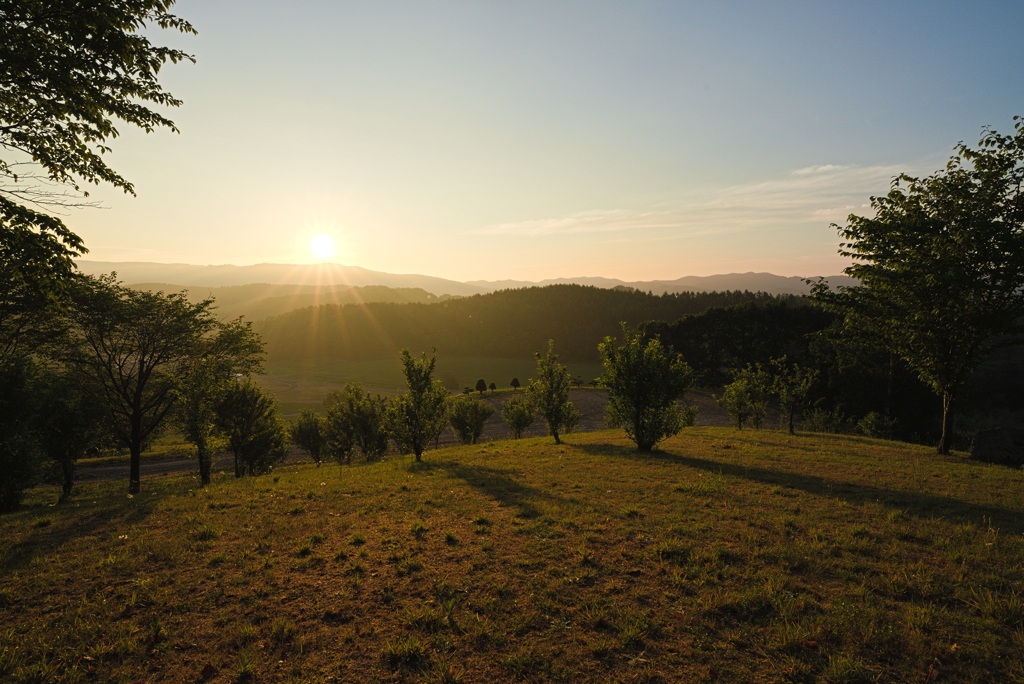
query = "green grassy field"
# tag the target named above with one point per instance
(299, 385)
(729, 556)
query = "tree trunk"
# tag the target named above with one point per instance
(135, 457)
(792, 411)
(947, 414)
(68, 470)
(135, 460)
(205, 464)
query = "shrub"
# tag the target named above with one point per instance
(644, 382)
(876, 425)
(467, 416)
(357, 420)
(518, 415)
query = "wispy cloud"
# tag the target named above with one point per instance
(817, 194)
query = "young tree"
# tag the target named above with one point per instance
(357, 420)
(518, 415)
(256, 436)
(549, 394)
(735, 400)
(746, 397)
(644, 385)
(309, 433)
(418, 416)
(941, 265)
(481, 386)
(492, 387)
(467, 416)
(230, 351)
(133, 346)
(515, 384)
(792, 385)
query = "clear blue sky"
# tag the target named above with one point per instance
(529, 140)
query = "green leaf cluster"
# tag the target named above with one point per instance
(549, 394)
(356, 421)
(644, 383)
(467, 416)
(418, 415)
(518, 414)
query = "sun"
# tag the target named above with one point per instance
(321, 246)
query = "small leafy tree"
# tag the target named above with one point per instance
(518, 414)
(751, 389)
(735, 400)
(467, 416)
(255, 435)
(309, 433)
(792, 387)
(417, 417)
(492, 387)
(644, 384)
(746, 397)
(549, 394)
(357, 420)
(515, 384)
(481, 386)
(217, 361)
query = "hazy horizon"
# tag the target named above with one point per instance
(531, 141)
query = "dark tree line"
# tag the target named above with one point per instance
(506, 324)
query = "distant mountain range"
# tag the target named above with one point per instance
(754, 282)
(335, 276)
(320, 275)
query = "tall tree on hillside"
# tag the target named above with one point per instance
(644, 384)
(133, 347)
(549, 394)
(418, 415)
(941, 265)
(481, 386)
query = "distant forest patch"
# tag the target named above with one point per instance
(504, 324)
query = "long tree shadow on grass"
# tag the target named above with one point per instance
(52, 527)
(920, 504)
(501, 484)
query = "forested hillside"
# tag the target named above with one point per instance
(508, 323)
(262, 300)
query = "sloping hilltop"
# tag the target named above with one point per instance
(729, 556)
